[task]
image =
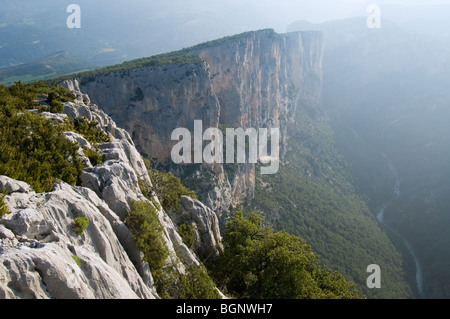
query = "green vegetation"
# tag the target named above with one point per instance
(89, 130)
(176, 57)
(312, 197)
(94, 156)
(168, 188)
(147, 231)
(48, 67)
(33, 148)
(259, 263)
(20, 97)
(3, 207)
(197, 284)
(77, 260)
(80, 224)
(186, 232)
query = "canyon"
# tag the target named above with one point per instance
(253, 80)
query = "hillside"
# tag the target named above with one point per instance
(386, 92)
(45, 68)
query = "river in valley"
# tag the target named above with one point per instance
(380, 217)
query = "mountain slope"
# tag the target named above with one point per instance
(387, 93)
(45, 68)
(313, 197)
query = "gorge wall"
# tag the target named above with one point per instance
(253, 80)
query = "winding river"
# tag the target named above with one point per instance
(380, 218)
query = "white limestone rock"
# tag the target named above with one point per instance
(46, 242)
(207, 235)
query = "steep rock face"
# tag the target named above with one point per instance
(260, 77)
(259, 80)
(150, 103)
(39, 245)
(253, 80)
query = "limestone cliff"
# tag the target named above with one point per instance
(39, 247)
(252, 80)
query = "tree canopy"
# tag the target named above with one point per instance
(259, 263)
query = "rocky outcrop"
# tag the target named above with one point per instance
(207, 239)
(39, 244)
(253, 80)
(41, 254)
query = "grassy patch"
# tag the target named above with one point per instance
(80, 224)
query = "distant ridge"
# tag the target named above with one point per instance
(53, 65)
(175, 57)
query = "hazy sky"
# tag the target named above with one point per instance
(166, 25)
(316, 11)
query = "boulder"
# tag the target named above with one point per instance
(207, 234)
(13, 186)
(41, 242)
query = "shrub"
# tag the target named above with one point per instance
(32, 148)
(147, 232)
(186, 232)
(77, 260)
(3, 208)
(80, 225)
(55, 104)
(43, 108)
(261, 264)
(90, 131)
(197, 284)
(169, 189)
(94, 156)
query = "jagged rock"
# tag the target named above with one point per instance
(116, 183)
(5, 233)
(50, 224)
(77, 138)
(47, 241)
(122, 150)
(207, 234)
(39, 246)
(27, 222)
(13, 186)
